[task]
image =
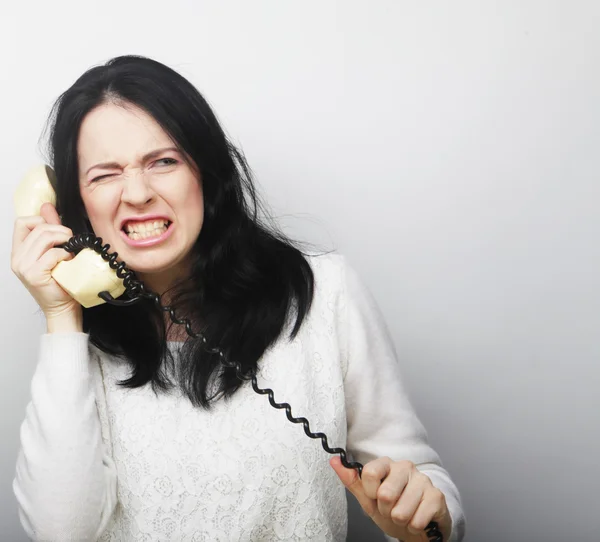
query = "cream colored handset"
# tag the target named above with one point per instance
(87, 274)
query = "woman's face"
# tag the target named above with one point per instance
(139, 193)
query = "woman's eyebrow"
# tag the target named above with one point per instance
(145, 158)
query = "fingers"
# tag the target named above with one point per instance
(37, 273)
(49, 214)
(429, 509)
(397, 497)
(373, 474)
(393, 488)
(53, 257)
(404, 509)
(24, 225)
(402, 491)
(45, 237)
(32, 248)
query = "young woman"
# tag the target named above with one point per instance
(135, 430)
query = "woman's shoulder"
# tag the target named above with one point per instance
(328, 267)
(334, 274)
(104, 360)
(334, 277)
(341, 287)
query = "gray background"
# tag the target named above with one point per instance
(449, 149)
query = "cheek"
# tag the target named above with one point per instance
(194, 203)
(98, 211)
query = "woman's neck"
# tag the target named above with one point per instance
(166, 281)
(165, 285)
(176, 332)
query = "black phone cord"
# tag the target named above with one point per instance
(136, 291)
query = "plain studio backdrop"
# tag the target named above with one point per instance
(449, 149)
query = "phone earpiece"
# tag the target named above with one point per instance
(33, 191)
(87, 273)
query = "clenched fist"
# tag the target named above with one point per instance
(400, 500)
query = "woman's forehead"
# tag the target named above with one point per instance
(114, 133)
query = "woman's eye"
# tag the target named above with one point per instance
(162, 161)
(99, 178)
(170, 161)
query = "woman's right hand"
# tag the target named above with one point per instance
(34, 256)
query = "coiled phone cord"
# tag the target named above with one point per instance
(137, 291)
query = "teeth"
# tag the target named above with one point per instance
(141, 227)
(143, 230)
(150, 233)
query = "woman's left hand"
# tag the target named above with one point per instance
(397, 497)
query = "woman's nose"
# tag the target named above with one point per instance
(136, 190)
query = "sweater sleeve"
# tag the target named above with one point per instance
(381, 419)
(65, 483)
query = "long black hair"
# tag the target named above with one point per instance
(248, 283)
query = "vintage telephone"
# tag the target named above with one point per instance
(94, 277)
(86, 274)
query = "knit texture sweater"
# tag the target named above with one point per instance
(101, 462)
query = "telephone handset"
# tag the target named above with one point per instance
(86, 274)
(94, 277)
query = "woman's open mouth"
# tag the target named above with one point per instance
(147, 233)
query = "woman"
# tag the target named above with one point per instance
(135, 432)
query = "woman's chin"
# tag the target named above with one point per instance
(150, 262)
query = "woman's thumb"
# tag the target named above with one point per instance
(352, 481)
(349, 477)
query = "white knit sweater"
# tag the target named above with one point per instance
(100, 462)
